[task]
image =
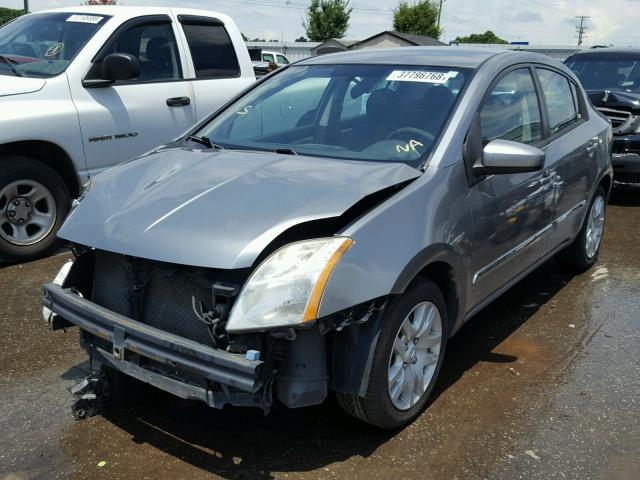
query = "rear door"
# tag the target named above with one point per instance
(214, 63)
(511, 212)
(570, 153)
(131, 117)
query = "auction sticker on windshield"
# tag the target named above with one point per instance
(420, 76)
(85, 19)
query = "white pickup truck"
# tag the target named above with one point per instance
(84, 88)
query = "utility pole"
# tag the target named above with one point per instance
(26, 6)
(439, 13)
(582, 29)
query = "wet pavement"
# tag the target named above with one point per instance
(544, 383)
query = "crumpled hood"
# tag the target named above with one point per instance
(19, 85)
(614, 98)
(218, 209)
(622, 108)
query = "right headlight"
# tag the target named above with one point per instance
(285, 290)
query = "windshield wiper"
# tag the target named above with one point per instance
(11, 64)
(205, 141)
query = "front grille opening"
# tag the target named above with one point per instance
(161, 295)
(617, 117)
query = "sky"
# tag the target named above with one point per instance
(549, 22)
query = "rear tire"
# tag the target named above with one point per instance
(583, 253)
(381, 406)
(34, 202)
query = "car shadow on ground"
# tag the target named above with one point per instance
(243, 443)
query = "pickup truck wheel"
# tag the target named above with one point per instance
(34, 202)
(584, 251)
(406, 361)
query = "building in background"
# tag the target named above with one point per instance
(391, 39)
(388, 39)
(333, 45)
(293, 50)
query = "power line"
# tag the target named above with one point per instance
(581, 30)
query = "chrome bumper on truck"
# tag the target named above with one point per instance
(178, 365)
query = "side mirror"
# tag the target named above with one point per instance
(114, 67)
(120, 66)
(505, 156)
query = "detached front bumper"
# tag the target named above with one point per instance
(626, 158)
(178, 365)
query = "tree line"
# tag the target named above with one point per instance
(326, 19)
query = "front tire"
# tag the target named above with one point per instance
(34, 202)
(406, 361)
(583, 253)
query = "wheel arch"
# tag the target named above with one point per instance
(606, 182)
(443, 266)
(52, 155)
(351, 350)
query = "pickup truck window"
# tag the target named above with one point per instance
(394, 113)
(156, 49)
(44, 44)
(211, 50)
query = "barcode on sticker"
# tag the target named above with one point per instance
(85, 19)
(419, 76)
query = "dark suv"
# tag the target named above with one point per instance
(611, 78)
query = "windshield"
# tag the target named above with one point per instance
(607, 72)
(44, 44)
(355, 112)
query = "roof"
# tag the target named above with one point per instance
(609, 51)
(433, 56)
(417, 40)
(125, 11)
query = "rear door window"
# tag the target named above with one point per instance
(211, 48)
(560, 99)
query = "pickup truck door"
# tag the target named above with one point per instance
(129, 118)
(218, 60)
(511, 213)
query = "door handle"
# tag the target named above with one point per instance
(178, 101)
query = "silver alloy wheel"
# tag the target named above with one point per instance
(595, 227)
(415, 355)
(27, 212)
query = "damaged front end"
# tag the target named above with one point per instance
(207, 282)
(168, 325)
(165, 325)
(622, 109)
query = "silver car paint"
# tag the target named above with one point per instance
(179, 207)
(217, 209)
(439, 218)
